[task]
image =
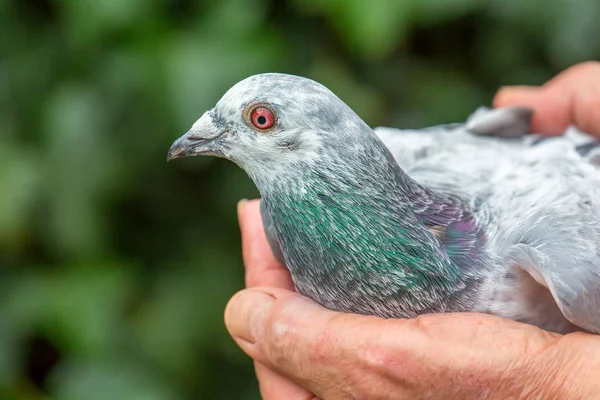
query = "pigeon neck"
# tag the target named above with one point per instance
(359, 217)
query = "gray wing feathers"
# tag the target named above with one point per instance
(578, 293)
(574, 286)
(504, 122)
(576, 290)
(410, 145)
(541, 199)
(553, 225)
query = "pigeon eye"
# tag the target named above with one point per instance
(262, 118)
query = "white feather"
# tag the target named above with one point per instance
(542, 206)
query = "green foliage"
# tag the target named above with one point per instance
(115, 266)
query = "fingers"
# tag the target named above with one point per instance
(274, 386)
(262, 269)
(286, 332)
(336, 355)
(572, 97)
(552, 116)
(323, 351)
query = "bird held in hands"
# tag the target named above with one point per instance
(473, 217)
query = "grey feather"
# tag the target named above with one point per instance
(542, 197)
(271, 234)
(505, 122)
(495, 219)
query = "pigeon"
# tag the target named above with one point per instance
(480, 216)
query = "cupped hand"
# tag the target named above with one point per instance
(304, 351)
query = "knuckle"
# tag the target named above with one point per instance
(422, 322)
(280, 335)
(323, 347)
(587, 67)
(584, 109)
(252, 279)
(383, 358)
(300, 348)
(377, 367)
(375, 357)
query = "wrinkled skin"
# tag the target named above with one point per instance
(304, 351)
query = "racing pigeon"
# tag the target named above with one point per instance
(473, 217)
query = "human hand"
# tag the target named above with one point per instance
(570, 98)
(304, 351)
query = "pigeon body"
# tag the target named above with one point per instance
(473, 217)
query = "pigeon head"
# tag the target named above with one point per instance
(269, 122)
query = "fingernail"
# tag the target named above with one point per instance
(240, 205)
(246, 314)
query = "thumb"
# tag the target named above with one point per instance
(315, 347)
(279, 327)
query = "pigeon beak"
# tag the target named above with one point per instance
(197, 141)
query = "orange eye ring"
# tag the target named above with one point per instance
(262, 118)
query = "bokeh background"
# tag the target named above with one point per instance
(115, 266)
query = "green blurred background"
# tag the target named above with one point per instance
(115, 266)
